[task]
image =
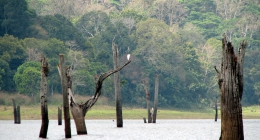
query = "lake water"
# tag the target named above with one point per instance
(189, 129)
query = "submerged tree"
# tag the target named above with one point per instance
(147, 93)
(65, 86)
(119, 115)
(43, 96)
(79, 110)
(151, 112)
(230, 80)
(156, 90)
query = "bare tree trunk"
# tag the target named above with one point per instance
(147, 93)
(231, 90)
(156, 98)
(216, 109)
(59, 116)
(119, 116)
(18, 115)
(17, 118)
(43, 95)
(79, 110)
(79, 118)
(15, 112)
(64, 84)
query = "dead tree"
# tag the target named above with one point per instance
(79, 111)
(156, 98)
(18, 115)
(147, 93)
(118, 97)
(17, 118)
(216, 109)
(43, 96)
(230, 80)
(64, 84)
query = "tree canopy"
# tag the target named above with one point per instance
(177, 39)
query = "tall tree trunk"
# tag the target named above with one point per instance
(64, 85)
(119, 116)
(156, 90)
(147, 93)
(43, 96)
(230, 80)
(79, 110)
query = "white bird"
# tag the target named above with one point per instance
(128, 56)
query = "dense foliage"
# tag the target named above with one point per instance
(179, 40)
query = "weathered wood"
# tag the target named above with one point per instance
(156, 90)
(230, 80)
(64, 83)
(79, 111)
(118, 98)
(43, 97)
(59, 116)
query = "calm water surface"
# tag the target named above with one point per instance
(133, 130)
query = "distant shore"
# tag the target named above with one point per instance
(108, 112)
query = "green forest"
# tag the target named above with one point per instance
(180, 40)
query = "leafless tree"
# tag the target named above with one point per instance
(79, 111)
(43, 95)
(230, 80)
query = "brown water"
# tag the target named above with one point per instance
(133, 130)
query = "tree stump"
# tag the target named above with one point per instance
(156, 90)
(216, 110)
(17, 117)
(230, 80)
(59, 116)
(144, 119)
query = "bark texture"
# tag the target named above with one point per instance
(64, 84)
(230, 80)
(156, 90)
(118, 97)
(43, 97)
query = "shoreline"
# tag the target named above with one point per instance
(102, 112)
